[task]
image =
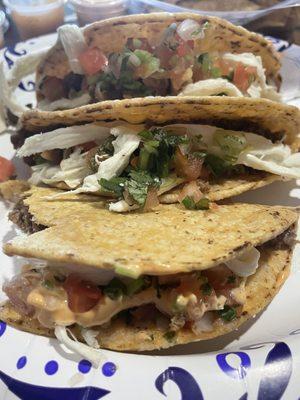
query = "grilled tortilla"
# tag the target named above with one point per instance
(172, 243)
(163, 61)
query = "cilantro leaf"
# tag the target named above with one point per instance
(190, 204)
(217, 165)
(113, 185)
(138, 185)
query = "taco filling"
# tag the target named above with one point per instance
(140, 166)
(59, 297)
(175, 65)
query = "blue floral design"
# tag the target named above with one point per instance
(276, 373)
(26, 391)
(186, 383)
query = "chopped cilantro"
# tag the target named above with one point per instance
(170, 336)
(114, 185)
(190, 204)
(231, 144)
(38, 159)
(137, 285)
(206, 289)
(138, 184)
(227, 314)
(217, 165)
(115, 289)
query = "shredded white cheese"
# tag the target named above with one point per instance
(89, 353)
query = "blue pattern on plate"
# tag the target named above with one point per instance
(2, 328)
(26, 391)
(186, 383)
(51, 367)
(235, 373)
(276, 373)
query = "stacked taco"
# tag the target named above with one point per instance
(156, 55)
(142, 152)
(173, 276)
(148, 122)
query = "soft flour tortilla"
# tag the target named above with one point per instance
(111, 36)
(167, 241)
(260, 290)
(274, 120)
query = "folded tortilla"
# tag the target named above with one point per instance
(122, 36)
(245, 144)
(169, 242)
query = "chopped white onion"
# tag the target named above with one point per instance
(245, 264)
(190, 30)
(204, 324)
(93, 355)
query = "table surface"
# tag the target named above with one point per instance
(282, 24)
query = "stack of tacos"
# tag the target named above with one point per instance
(128, 246)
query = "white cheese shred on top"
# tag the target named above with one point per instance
(89, 353)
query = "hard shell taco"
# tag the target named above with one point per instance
(156, 54)
(143, 281)
(141, 152)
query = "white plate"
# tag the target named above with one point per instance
(260, 361)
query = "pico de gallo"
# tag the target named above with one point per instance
(137, 167)
(142, 69)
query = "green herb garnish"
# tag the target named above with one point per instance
(115, 289)
(231, 144)
(137, 285)
(114, 185)
(227, 314)
(138, 185)
(217, 165)
(190, 204)
(170, 336)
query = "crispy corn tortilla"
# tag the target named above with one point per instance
(274, 120)
(111, 36)
(168, 240)
(260, 290)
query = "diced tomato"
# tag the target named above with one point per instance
(241, 77)
(188, 285)
(88, 146)
(182, 50)
(53, 88)
(93, 60)
(7, 169)
(219, 277)
(82, 295)
(188, 168)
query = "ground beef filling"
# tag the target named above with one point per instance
(21, 216)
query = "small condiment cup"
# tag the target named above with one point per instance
(94, 10)
(36, 17)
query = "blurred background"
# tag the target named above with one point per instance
(23, 19)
